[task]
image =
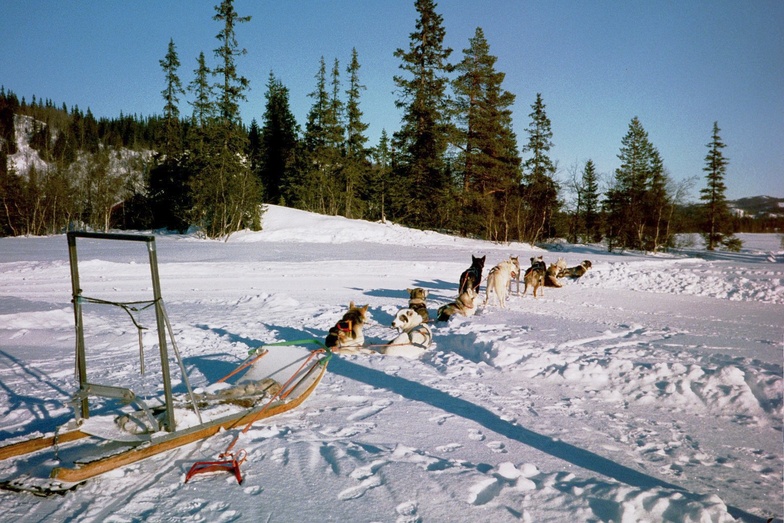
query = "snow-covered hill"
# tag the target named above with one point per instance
(648, 390)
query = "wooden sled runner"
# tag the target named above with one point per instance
(274, 379)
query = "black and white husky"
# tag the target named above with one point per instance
(415, 336)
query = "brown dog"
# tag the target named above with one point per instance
(347, 334)
(534, 276)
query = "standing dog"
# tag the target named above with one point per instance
(553, 273)
(499, 279)
(576, 272)
(417, 303)
(347, 334)
(414, 339)
(534, 275)
(472, 276)
(465, 304)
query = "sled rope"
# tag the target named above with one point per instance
(129, 307)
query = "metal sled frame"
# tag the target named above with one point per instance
(87, 389)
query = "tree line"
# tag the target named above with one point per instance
(453, 165)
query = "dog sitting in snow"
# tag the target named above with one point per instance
(534, 275)
(415, 336)
(465, 305)
(553, 272)
(347, 335)
(576, 272)
(417, 303)
(499, 279)
(472, 276)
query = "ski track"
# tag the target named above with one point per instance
(634, 390)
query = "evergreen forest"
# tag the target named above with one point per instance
(454, 165)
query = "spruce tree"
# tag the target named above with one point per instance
(589, 203)
(489, 160)
(316, 190)
(625, 200)
(356, 153)
(539, 189)
(717, 225)
(422, 141)
(378, 186)
(279, 138)
(226, 194)
(171, 144)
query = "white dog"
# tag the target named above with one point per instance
(498, 280)
(414, 339)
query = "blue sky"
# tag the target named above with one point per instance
(678, 65)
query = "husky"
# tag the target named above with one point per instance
(553, 273)
(579, 270)
(472, 276)
(534, 275)
(465, 304)
(347, 335)
(417, 302)
(414, 337)
(499, 279)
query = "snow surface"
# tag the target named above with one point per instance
(649, 390)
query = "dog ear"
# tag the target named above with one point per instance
(365, 308)
(351, 305)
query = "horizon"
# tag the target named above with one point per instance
(678, 68)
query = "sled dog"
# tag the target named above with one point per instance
(417, 303)
(498, 280)
(414, 337)
(347, 335)
(472, 276)
(579, 270)
(534, 275)
(553, 271)
(465, 304)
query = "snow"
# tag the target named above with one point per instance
(648, 390)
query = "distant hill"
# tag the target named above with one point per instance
(759, 206)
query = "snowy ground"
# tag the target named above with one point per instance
(649, 390)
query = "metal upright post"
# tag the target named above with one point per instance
(76, 293)
(159, 318)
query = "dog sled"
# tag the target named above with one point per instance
(274, 379)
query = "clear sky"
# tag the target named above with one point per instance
(678, 65)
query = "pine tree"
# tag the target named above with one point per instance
(356, 153)
(378, 186)
(717, 227)
(625, 203)
(203, 107)
(278, 143)
(171, 144)
(231, 86)
(539, 189)
(489, 160)
(589, 203)
(226, 194)
(422, 141)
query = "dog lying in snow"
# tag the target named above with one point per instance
(472, 276)
(579, 270)
(465, 305)
(417, 303)
(534, 275)
(499, 279)
(415, 336)
(553, 271)
(347, 335)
